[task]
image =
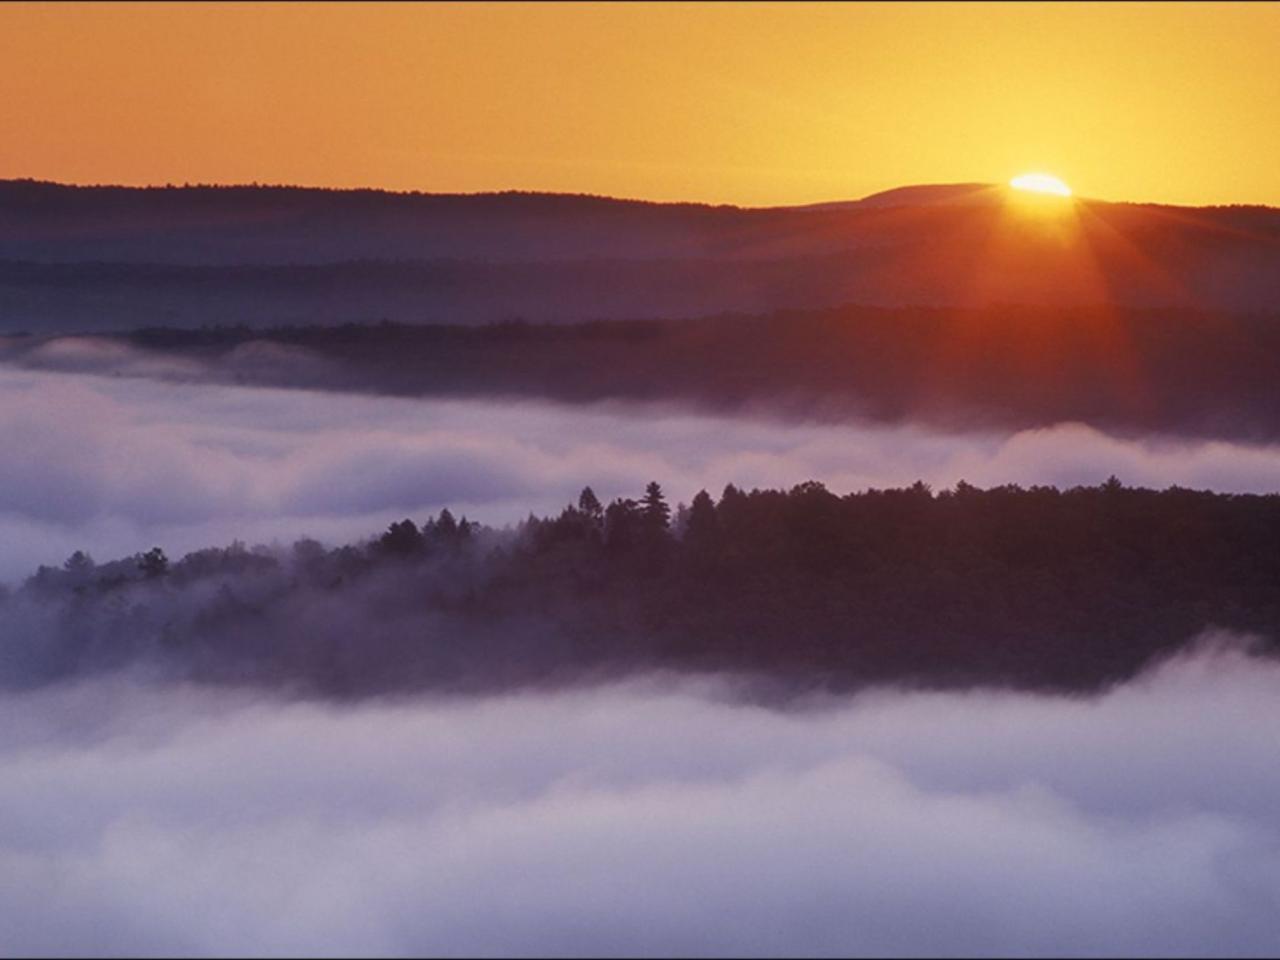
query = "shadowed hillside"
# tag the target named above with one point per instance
(83, 258)
(1169, 371)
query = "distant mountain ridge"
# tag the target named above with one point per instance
(75, 258)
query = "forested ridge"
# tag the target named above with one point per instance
(113, 258)
(1040, 587)
(1182, 372)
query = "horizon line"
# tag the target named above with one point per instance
(516, 191)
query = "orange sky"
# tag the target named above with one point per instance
(740, 103)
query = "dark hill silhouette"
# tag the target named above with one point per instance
(76, 258)
(1169, 371)
(931, 193)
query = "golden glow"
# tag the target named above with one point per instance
(1043, 183)
(754, 103)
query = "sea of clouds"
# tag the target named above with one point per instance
(658, 816)
(653, 817)
(118, 464)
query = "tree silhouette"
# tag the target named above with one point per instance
(590, 506)
(78, 564)
(703, 525)
(621, 525)
(657, 514)
(153, 563)
(446, 527)
(402, 539)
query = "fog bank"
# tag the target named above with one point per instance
(647, 818)
(118, 465)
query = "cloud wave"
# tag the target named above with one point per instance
(117, 465)
(648, 818)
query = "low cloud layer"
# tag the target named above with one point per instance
(650, 818)
(117, 465)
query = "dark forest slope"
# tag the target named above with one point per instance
(1168, 371)
(1037, 587)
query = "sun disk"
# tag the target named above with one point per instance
(1040, 183)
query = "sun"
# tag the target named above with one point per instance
(1040, 183)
